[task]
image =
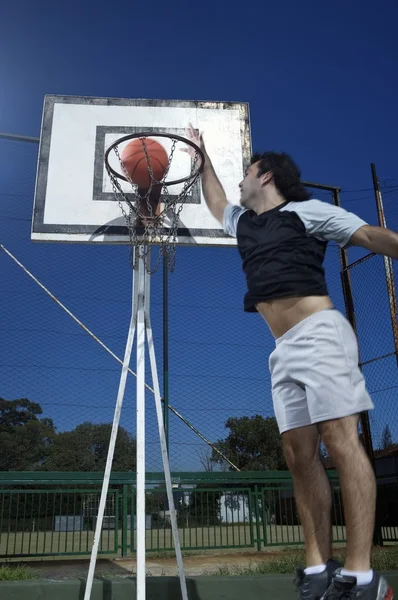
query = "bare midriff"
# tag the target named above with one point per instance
(283, 314)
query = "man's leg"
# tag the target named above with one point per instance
(358, 488)
(312, 491)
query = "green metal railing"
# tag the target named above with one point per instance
(54, 522)
(48, 514)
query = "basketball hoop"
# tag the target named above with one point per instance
(152, 213)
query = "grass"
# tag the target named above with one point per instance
(17, 573)
(383, 559)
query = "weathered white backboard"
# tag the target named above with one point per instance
(74, 200)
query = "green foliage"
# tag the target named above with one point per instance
(15, 413)
(25, 440)
(253, 444)
(86, 447)
(17, 573)
(28, 443)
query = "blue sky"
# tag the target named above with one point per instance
(321, 83)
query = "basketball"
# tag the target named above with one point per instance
(135, 161)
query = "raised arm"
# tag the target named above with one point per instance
(333, 223)
(377, 239)
(213, 191)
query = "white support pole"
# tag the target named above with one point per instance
(140, 322)
(163, 444)
(140, 270)
(112, 444)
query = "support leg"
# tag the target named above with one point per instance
(163, 444)
(112, 444)
(140, 505)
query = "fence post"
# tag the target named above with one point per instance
(350, 312)
(388, 267)
(124, 519)
(258, 533)
(364, 416)
(166, 349)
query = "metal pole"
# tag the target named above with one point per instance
(350, 312)
(112, 445)
(19, 138)
(140, 272)
(388, 267)
(163, 445)
(166, 348)
(321, 186)
(345, 275)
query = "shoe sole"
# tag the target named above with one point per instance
(385, 591)
(389, 594)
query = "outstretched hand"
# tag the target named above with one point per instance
(196, 137)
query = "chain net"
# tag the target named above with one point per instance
(148, 226)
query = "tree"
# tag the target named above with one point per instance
(386, 438)
(86, 448)
(15, 413)
(25, 440)
(253, 444)
(206, 460)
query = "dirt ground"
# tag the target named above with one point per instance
(193, 565)
(206, 563)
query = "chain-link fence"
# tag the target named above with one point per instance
(373, 285)
(218, 355)
(377, 351)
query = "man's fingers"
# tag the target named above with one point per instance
(192, 132)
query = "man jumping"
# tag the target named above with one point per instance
(318, 389)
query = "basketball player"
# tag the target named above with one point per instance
(317, 387)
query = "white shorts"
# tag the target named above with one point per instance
(315, 374)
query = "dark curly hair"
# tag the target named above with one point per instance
(285, 172)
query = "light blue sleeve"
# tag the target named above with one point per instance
(231, 217)
(326, 221)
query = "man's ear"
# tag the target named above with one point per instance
(266, 177)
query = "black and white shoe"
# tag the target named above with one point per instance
(346, 588)
(313, 587)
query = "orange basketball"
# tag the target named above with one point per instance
(135, 162)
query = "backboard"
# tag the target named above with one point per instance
(74, 199)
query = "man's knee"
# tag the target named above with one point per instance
(340, 437)
(301, 447)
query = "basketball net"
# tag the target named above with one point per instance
(152, 215)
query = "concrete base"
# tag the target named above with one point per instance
(273, 587)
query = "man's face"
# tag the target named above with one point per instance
(250, 187)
